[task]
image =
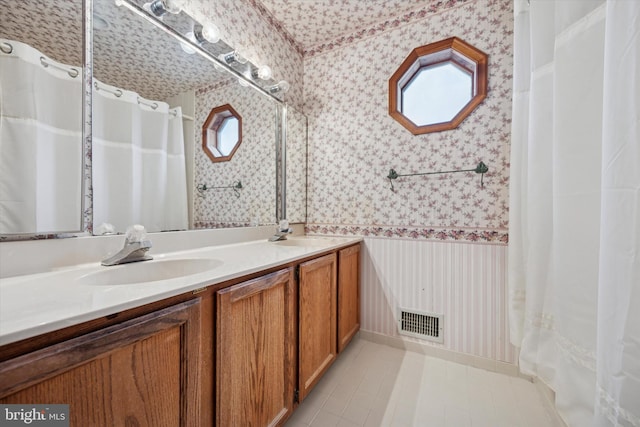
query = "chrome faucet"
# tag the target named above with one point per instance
(281, 232)
(135, 247)
(280, 235)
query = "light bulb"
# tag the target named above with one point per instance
(172, 6)
(232, 57)
(211, 33)
(264, 72)
(282, 86)
(239, 58)
(187, 47)
(159, 7)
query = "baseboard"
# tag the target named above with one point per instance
(549, 398)
(442, 353)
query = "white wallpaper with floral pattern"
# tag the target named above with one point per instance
(253, 164)
(354, 142)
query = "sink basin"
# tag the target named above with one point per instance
(148, 271)
(307, 242)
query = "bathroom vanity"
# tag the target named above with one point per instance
(241, 343)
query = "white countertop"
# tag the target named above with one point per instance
(35, 304)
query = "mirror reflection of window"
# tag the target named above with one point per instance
(228, 135)
(222, 133)
(437, 93)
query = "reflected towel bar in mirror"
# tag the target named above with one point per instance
(236, 186)
(481, 168)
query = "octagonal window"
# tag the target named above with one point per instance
(222, 133)
(437, 86)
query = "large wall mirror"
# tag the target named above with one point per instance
(150, 95)
(41, 110)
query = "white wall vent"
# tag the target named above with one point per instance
(417, 324)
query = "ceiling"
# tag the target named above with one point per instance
(124, 57)
(314, 22)
(132, 54)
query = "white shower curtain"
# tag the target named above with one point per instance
(574, 250)
(138, 167)
(40, 142)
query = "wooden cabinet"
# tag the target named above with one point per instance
(255, 357)
(142, 372)
(348, 295)
(317, 320)
(232, 354)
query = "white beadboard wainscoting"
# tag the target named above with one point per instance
(466, 282)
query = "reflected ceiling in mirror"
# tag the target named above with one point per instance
(159, 60)
(437, 86)
(132, 54)
(56, 33)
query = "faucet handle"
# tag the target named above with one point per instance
(135, 234)
(283, 226)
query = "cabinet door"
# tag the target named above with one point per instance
(317, 321)
(255, 358)
(348, 295)
(142, 372)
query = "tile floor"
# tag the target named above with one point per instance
(376, 385)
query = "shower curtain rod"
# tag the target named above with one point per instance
(152, 105)
(7, 48)
(73, 73)
(117, 93)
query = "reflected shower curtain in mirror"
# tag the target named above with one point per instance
(40, 142)
(574, 232)
(138, 167)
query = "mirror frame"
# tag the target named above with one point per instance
(217, 116)
(453, 50)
